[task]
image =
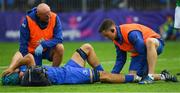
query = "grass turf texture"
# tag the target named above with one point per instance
(170, 59)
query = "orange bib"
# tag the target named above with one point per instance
(37, 34)
(126, 29)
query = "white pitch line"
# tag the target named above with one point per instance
(113, 62)
(159, 60)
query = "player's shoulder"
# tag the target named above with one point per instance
(24, 23)
(32, 13)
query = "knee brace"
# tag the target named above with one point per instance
(82, 54)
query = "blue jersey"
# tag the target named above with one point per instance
(71, 73)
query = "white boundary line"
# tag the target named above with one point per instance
(113, 62)
(91, 92)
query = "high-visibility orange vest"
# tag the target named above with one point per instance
(37, 34)
(126, 29)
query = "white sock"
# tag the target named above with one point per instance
(151, 76)
(162, 77)
(137, 78)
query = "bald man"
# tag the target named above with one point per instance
(41, 35)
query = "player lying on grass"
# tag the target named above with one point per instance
(74, 71)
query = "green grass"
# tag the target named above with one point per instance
(170, 59)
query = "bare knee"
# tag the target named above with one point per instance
(18, 53)
(150, 42)
(17, 56)
(29, 57)
(87, 47)
(59, 48)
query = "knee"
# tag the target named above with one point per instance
(59, 48)
(29, 57)
(18, 53)
(149, 42)
(87, 46)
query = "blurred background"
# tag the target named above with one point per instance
(81, 18)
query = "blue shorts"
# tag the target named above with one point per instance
(161, 46)
(78, 74)
(71, 73)
(139, 63)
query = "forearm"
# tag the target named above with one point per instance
(118, 67)
(120, 60)
(50, 43)
(137, 40)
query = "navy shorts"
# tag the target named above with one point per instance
(139, 63)
(161, 46)
(45, 55)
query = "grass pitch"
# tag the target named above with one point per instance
(170, 59)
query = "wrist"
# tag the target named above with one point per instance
(42, 44)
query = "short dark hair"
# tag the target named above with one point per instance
(106, 24)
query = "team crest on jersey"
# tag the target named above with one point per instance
(23, 25)
(85, 72)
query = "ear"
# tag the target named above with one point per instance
(112, 30)
(37, 14)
